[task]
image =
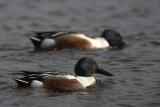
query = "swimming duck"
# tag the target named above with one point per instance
(74, 40)
(84, 70)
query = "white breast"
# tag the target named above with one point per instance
(98, 42)
(86, 81)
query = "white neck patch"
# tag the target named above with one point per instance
(86, 81)
(47, 43)
(99, 42)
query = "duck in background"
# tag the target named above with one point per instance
(54, 40)
(61, 82)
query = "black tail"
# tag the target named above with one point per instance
(36, 41)
(29, 76)
(21, 82)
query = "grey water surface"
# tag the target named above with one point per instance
(136, 67)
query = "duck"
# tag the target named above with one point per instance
(57, 40)
(61, 81)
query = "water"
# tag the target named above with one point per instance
(136, 67)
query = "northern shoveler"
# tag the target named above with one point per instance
(84, 70)
(73, 40)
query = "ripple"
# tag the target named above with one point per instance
(126, 60)
(125, 105)
(155, 60)
(152, 104)
(6, 27)
(3, 5)
(155, 43)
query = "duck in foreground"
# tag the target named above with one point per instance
(73, 40)
(84, 70)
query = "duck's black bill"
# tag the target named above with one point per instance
(104, 72)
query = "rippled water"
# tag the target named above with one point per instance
(136, 68)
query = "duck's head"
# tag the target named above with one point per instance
(113, 37)
(87, 67)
